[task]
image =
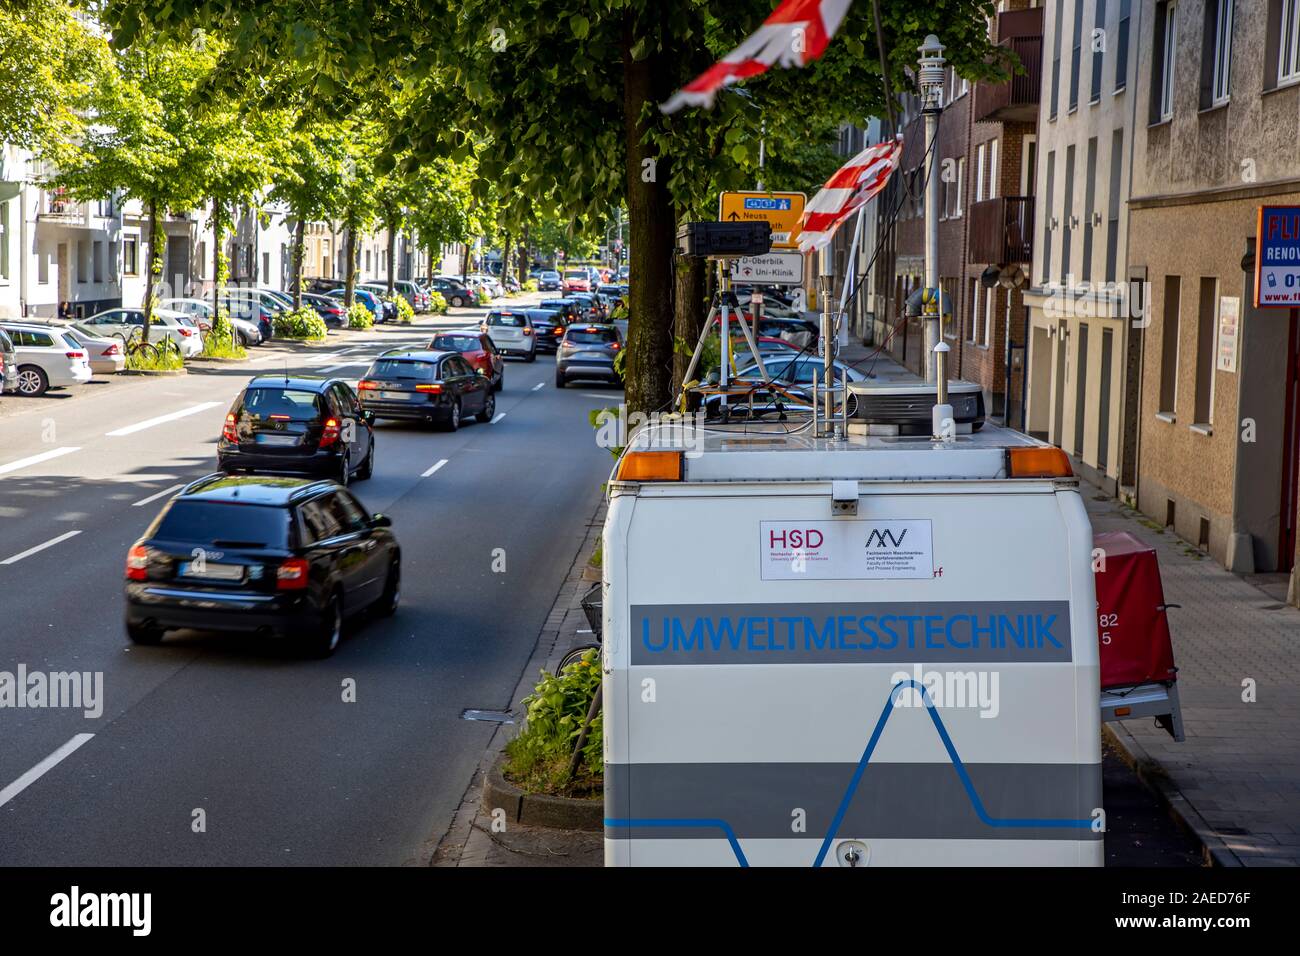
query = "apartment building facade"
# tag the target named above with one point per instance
(1218, 123)
(1083, 380)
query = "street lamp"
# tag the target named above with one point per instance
(929, 77)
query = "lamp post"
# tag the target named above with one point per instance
(930, 78)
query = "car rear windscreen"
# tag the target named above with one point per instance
(506, 321)
(591, 336)
(457, 343)
(576, 275)
(225, 524)
(392, 369)
(284, 404)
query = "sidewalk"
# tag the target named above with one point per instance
(470, 840)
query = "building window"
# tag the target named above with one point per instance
(1057, 26)
(979, 173)
(1067, 219)
(97, 260)
(1076, 55)
(1098, 55)
(130, 261)
(200, 266)
(1113, 202)
(83, 261)
(1206, 322)
(1166, 49)
(1047, 217)
(990, 303)
(1121, 46)
(4, 239)
(993, 169)
(1089, 207)
(1288, 67)
(1218, 50)
(972, 330)
(961, 181)
(266, 267)
(42, 267)
(1169, 347)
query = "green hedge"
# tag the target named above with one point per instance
(360, 317)
(302, 323)
(437, 304)
(405, 312)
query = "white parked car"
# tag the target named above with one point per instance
(123, 324)
(105, 353)
(47, 357)
(491, 283)
(8, 364)
(246, 332)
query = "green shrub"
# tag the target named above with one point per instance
(405, 311)
(165, 360)
(538, 759)
(532, 285)
(302, 323)
(481, 296)
(360, 317)
(220, 342)
(437, 303)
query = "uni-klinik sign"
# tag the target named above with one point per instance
(1277, 258)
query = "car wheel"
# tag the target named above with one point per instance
(489, 408)
(143, 633)
(531, 356)
(559, 379)
(386, 606)
(453, 417)
(32, 381)
(457, 301)
(500, 382)
(344, 472)
(368, 466)
(329, 632)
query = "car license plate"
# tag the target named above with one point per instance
(394, 396)
(212, 572)
(266, 439)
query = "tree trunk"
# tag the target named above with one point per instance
(218, 212)
(157, 247)
(350, 279)
(525, 257)
(652, 231)
(430, 264)
(299, 250)
(391, 227)
(690, 307)
(506, 268)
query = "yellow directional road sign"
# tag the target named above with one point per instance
(782, 210)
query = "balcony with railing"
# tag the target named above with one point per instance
(1015, 100)
(1002, 231)
(58, 206)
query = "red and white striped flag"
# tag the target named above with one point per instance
(853, 186)
(796, 33)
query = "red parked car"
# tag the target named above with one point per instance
(478, 350)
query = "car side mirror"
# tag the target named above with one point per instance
(368, 415)
(380, 521)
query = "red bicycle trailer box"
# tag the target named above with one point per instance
(1138, 676)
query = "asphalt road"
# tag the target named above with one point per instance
(260, 740)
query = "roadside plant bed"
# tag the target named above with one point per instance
(539, 809)
(437, 303)
(164, 361)
(538, 760)
(220, 344)
(405, 312)
(359, 317)
(301, 323)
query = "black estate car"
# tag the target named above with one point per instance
(284, 557)
(421, 386)
(298, 425)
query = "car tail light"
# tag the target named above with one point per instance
(613, 346)
(528, 331)
(185, 332)
(292, 574)
(75, 355)
(113, 349)
(137, 563)
(228, 431)
(436, 388)
(366, 385)
(329, 435)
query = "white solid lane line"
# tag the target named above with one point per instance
(499, 416)
(42, 768)
(166, 491)
(433, 468)
(161, 419)
(37, 459)
(538, 387)
(40, 547)
(335, 368)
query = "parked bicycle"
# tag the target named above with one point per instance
(592, 609)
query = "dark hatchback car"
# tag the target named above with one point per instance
(588, 351)
(570, 311)
(284, 557)
(439, 387)
(455, 293)
(548, 327)
(298, 426)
